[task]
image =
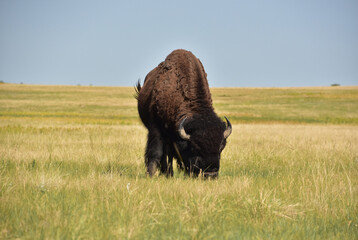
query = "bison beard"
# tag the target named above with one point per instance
(175, 105)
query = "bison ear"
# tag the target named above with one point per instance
(182, 132)
(228, 130)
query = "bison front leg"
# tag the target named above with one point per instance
(169, 169)
(170, 166)
(154, 151)
(163, 160)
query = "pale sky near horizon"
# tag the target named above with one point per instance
(277, 43)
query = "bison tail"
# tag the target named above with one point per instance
(137, 89)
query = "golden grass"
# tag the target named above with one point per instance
(273, 178)
(66, 178)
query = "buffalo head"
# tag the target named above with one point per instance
(202, 141)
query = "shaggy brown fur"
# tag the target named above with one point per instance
(176, 87)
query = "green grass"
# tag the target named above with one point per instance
(71, 167)
(289, 105)
(113, 106)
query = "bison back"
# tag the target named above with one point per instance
(176, 88)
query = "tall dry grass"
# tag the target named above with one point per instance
(276, 181)
(68, 174)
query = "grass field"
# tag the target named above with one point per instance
(71, 167)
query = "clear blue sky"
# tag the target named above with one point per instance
(240, 43)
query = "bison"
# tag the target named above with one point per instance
(175, 106)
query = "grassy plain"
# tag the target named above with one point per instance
(71, 167)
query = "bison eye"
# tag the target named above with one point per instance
(194, 148)
(184, 144)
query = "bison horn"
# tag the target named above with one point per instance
(228, 130)
(182, 132)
